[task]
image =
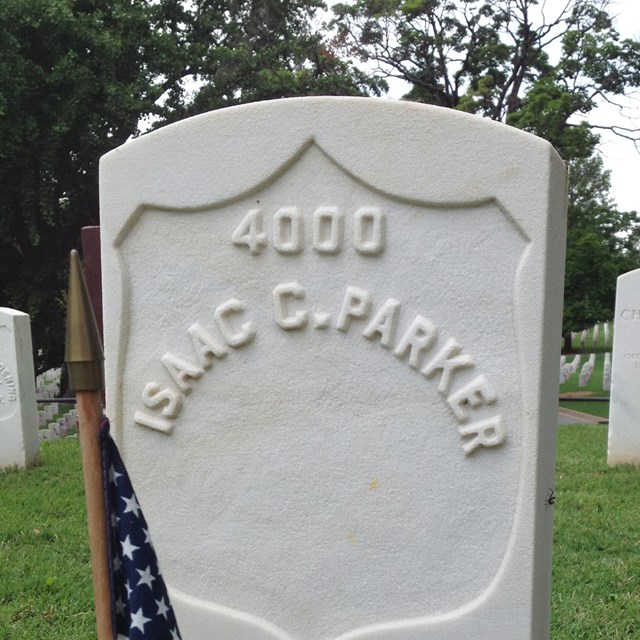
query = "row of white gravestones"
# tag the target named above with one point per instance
(65, 427)
(595, 335)
(18, 412)
(314, 358)
(48, 384)
(567, 369)
(624, 412)
(45, 415)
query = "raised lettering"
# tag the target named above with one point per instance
(355, 305)
(234, 338)
(485, 433)
(249, 232)
(448, 361)
(476, 393)
(206, 345)
(154, 396)
(384, 322)
(288, 232)
(369, 230)
(294, 291)
(181, 371)
(418, 338)
(152, 422)
(328, 230)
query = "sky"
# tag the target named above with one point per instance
(620, 156)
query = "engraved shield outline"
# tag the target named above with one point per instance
(120, 204)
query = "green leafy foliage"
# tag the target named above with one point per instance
(602, 243)
(78, 77)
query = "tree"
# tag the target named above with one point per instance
(484, 56)
(80, 77)
(597, 250)
(492, 58)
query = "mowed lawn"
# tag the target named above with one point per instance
(45, 581)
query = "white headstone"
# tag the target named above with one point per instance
(575, 363)
(624, 409)
(606, 334)
(19, 442)
(323, 338)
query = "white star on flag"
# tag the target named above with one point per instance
(113, 474)
(138, 620)
(162, 608)
(128, 549)
(146, 577)
(132, 505)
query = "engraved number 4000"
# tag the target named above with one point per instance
(327, 231)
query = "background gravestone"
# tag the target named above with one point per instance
(18, 410)
(330, 340)
(624, 412)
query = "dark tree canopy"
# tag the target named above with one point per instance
(602, 243)
(77, 77)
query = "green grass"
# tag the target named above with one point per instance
(45, 574)
(596, 565)
(594, 408)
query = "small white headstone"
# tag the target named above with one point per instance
(575, 363)
(624, 410)
(18, 410)
(606, 334)
(317, 360)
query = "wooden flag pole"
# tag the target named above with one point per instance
(84, 358)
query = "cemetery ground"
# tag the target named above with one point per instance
(45, 573)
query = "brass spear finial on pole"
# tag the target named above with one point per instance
(85, 365)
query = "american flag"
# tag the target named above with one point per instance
(140, 606)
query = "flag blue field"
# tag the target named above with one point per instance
(139, 602)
